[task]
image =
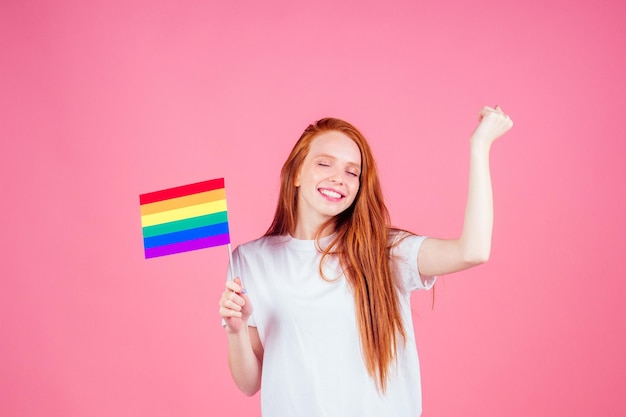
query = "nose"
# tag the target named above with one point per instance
(337, 178)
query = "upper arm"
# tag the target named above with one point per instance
(443, 256)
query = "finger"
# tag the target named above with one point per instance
(228, 313)
(495, 111)
(231, 305)
(233, 297)
(238, 281)
(500, 111)
(232, 302)
(234, 286)
(229, 297)
(484, 112)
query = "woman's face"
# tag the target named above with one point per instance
(329, 178)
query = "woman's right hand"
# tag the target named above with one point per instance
(235, 306)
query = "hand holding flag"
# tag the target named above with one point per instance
(185, 218)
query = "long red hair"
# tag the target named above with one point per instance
(362, 245)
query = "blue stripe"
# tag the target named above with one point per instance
(184, 235)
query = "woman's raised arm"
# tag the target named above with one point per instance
(444, 256)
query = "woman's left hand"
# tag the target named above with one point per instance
(493, 123)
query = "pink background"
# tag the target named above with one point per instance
(101, 101)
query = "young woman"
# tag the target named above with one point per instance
(331, 332)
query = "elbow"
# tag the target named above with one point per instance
(473, 252)
(246, 374)
(249, 390)
(476, 258)
(250, 393)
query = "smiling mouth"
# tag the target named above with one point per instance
(330, 193)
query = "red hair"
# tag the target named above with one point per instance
(362, 245)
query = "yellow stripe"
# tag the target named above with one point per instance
(183, 213)
(186, 201)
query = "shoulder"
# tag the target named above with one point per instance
(404, 248)
(404, 241)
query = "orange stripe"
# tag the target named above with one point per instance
(180, 202)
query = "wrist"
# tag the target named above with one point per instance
(238, 332)
(479, 145)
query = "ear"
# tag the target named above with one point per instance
(296, 180)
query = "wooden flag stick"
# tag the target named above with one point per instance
(232, 272)
(230, 258)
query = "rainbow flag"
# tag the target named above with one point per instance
(184, 218)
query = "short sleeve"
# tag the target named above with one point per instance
(404, 254)
(237, 268)
(240, 268)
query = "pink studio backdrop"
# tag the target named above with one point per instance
(102, 101)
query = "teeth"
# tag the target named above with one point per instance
(330, 193)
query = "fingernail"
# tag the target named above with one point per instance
(244, 291)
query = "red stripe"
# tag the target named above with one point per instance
(181, 191)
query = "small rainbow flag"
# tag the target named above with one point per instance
(184, 218)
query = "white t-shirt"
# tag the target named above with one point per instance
(312, 364)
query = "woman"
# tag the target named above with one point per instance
(331, 333)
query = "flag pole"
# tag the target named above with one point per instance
(230, 257)
(232, 273)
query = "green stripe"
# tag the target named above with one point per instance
(179, 225)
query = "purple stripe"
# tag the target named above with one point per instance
(205, 242)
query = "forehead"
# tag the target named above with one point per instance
(337, 145)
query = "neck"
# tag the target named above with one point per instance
(309, 232)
